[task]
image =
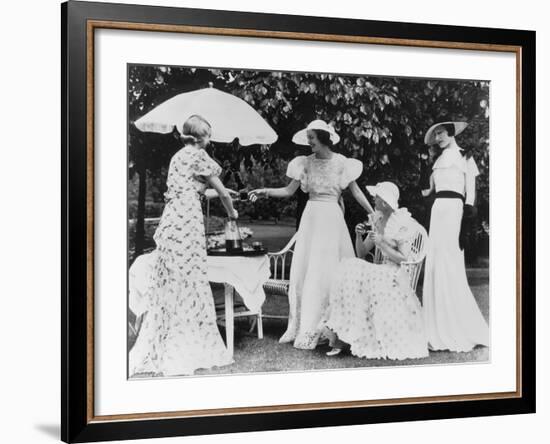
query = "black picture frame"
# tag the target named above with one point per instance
(78, 423)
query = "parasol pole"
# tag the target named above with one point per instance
(207, 215)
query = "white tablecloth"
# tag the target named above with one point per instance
(246, 274)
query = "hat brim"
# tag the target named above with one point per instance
(300, 138)
(376, 191)
(429, 138)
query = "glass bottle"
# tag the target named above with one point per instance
(233, 240)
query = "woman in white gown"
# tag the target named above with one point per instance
(451, 315)
(323, 239)
(372, 307)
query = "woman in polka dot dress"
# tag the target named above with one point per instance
(179, 333)
(372, 307)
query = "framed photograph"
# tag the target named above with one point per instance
(275, 222)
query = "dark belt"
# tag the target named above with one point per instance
(463, 222)
(449, 195)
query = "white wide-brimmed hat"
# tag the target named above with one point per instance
(300, 138)
(387, 191)
(429, 138)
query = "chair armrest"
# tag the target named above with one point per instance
(278, 260)
(286, 248)
(411, 262)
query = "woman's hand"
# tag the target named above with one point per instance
(233, 214)
(254, 195)
(470, 212)
(360, 229)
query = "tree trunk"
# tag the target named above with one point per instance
(140, 221)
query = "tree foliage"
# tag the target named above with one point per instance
(381, 120)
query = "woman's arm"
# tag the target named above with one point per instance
(362, 247)
(393, 253)
(360, 197)
(287, 191)
(430, 190)
(470, 189)
(211, 193)
(224, 195)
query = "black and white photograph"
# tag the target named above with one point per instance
(278, 222)
(283, 221)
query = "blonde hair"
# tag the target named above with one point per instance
(195, 129)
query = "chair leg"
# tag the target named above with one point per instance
(260, 325)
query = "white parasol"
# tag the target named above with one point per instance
(229, 116)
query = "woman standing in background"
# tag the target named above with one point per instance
(452, 317)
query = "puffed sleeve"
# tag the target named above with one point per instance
(296, 168)
(204, 165)
(471, 167)
(352, 170)
(401, 228)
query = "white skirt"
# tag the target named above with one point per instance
(452, 318)
(323, 241)
(376, 314)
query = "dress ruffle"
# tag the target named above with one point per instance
(398, 227)
(296, 168)
(352, 170)
(349, 170)
(451, 157)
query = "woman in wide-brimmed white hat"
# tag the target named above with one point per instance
(372, 308)
(453, 319)
(323, 238)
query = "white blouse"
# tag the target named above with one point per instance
(453, 172)
(324, 178)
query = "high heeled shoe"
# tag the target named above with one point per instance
(334, 351)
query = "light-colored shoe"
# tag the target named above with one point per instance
(334, 352)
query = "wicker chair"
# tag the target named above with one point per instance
(279, 282)
(419, 248)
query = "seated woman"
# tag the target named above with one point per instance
(372, 307)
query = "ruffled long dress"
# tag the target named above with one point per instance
(372, 307)
(323, 241)
(179, 333)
